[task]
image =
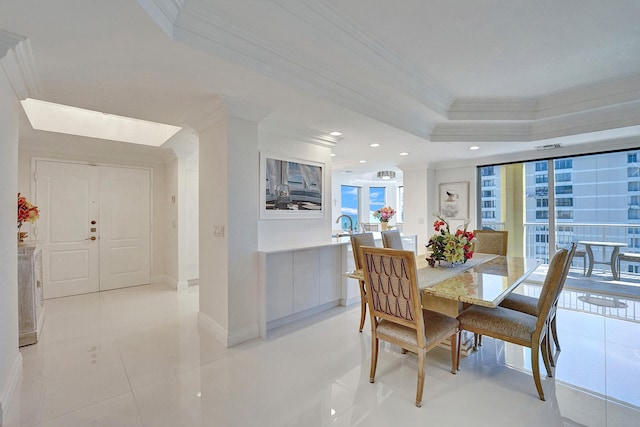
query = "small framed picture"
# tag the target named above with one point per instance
(454, 200)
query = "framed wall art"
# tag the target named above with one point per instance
(291, 188)
(454, 200)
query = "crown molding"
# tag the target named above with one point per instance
(305, 135)
(16, 59)
(164, 12)
(391, 68)
(596, 120)
(203, 26)
(576, 100)
(222, 107)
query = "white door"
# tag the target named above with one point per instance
(67, 196)
(125, 226)
(95, 222)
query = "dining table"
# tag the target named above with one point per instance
(612, 262)
(485, 279)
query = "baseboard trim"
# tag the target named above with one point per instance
(223, 335)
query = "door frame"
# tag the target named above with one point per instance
(32, 179)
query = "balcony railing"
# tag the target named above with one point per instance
(537, 240)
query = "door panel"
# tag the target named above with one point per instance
(125, 227)
(67, 196)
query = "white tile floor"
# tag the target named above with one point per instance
(136, 357)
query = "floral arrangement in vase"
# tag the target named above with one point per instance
(26, 213)
(450, 247)
(384, 215)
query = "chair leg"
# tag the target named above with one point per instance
(459, 345)
(545, 346)
(535, 367)
(374, 358)
(421, 365)
(453, 339)
(363, 305)
(477, 341)
(554, 332)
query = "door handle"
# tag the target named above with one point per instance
(91, 238)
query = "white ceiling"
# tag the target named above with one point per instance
(427, 77)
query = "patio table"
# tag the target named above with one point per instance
(611, 262)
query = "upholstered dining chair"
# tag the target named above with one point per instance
(491, 242)
(529, 305)
(357, 241)
(396, 312)
(520, 328)
(392, 239)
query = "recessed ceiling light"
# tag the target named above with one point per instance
(363, 161)
(335, 133)
(474, 147)
(375, 144)
(333, 154)
(404, 153)
(69, 120)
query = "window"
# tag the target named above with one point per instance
(400, 204)
(633, 186)
(634, 213)
(488, 214)
(542, 203)
(542, 191)
(564, 201)
(377, 200)
(633, 172)
(634, 201)
(542, 214)
(542, 179)
(541, 166)
(350, 196)
(632, 158)
(564, 189)
(563, 177)
(487, 171)
(489, 204)
(488, 182)
(564, 214)
(488, 193)
(564, 164)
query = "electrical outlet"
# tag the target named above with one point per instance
(218, 230)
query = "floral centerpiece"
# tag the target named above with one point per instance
(384, 215)
(450, 247)
(26, 213)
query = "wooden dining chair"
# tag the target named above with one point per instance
(392, 239)
(396, 312)
(528, 305)
(357, 241)
(491, 242)
(520, 328)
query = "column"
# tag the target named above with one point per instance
(228, 197)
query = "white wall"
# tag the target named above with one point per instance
(10, 358)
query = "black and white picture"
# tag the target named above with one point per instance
(292, 189)
(454, 200)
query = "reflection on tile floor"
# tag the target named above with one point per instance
(136, 357)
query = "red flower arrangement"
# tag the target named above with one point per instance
(26, 211)
(450, 247)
